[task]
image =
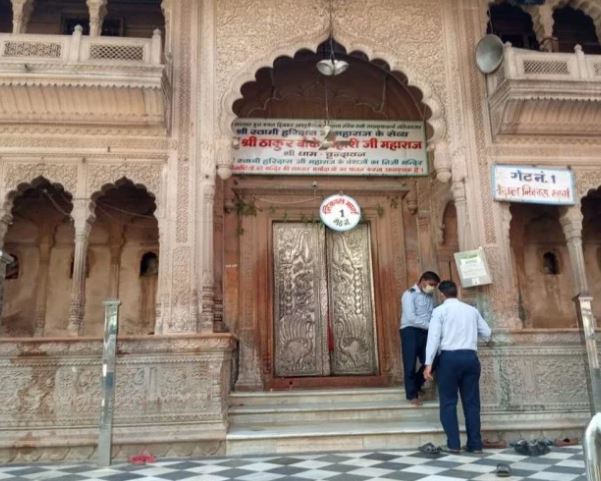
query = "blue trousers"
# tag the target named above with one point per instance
(460, 371)
(413, 343)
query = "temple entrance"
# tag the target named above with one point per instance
(323, 301)
(313, 308)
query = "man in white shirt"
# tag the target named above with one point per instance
(454, 330)
(417, 305)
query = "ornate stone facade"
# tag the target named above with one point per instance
(161, 121)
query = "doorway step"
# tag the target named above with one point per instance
(303, 421)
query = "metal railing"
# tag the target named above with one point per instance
(592, 449)
(592, 435)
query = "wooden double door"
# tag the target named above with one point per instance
(323, 302)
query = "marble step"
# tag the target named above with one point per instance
(331, 436)
(319, 396)
(340, 410)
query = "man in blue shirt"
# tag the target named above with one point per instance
(417, 304)
(454, 331)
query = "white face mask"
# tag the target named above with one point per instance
(428, 289)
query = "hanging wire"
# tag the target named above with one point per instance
(120, 221)
(123, 211)
(55, 204)
(327, 107)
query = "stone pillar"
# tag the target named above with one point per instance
(115, 246)
(571, 222)
(463, 227)
(21, 11)
(82, 219)
(5, 259)
(167, 8)
(206, 148)
(46, 243)
(179, 276)
(6, 220)
(207, 301)
(542, 23)
(97, 11)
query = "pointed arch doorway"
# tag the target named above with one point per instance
(316, 308)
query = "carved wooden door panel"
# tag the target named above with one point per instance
(323, 309)
(300, 326)
(350, 302)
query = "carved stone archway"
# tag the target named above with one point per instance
(124, 207)
(436, 120)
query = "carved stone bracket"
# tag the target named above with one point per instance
(442, 161)
(224, 158)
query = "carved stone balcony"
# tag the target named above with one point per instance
(77, 79)
(542, 93)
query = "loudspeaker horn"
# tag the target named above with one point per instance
(489, 53)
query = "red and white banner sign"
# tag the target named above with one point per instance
(298, 147)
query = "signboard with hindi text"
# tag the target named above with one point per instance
(355, 147)
(515, 183)
(473, 268)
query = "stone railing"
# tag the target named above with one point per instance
(520, 64)
(78, 48)
(51, 395)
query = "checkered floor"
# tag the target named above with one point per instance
(562, 464)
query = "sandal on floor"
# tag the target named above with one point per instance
(503, 470)
(429, 450)
(417, 402)
(559, 442)
(500, 444)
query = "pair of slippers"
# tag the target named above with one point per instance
(537, 447)
(503, 470)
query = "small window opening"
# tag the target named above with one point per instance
(550, 264)
(149, 265)
(12, 269)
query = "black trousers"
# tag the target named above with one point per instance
(413, 343)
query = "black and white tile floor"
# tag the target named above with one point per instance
(561, 464)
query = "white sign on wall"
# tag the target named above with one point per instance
(513, 183)
(472, 268)
(354, 147)
(340, 212)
